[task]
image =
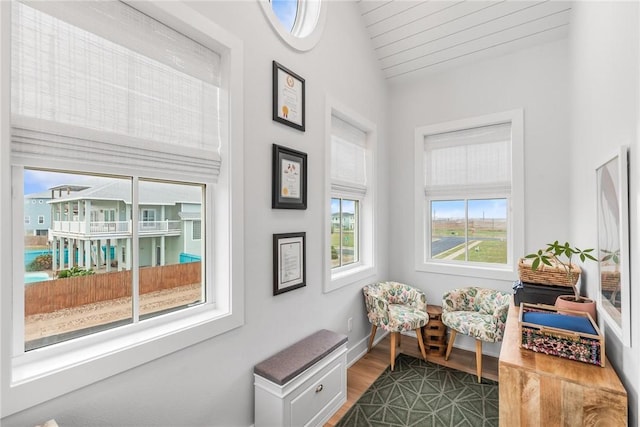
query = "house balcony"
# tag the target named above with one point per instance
(114, 229)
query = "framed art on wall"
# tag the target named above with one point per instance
(288, 97)
(613, 244)
(289, 262)
(289, 178)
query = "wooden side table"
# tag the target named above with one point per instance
(537, 389)
(435, 332)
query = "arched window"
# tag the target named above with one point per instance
(298, 22)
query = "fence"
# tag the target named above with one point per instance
(54, 295)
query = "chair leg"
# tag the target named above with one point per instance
(374, 328)
(421, 343)
(452, 338)
(479, 359)
(394, 335)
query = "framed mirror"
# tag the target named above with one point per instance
(613, 244)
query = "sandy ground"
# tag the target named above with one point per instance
(73, 319)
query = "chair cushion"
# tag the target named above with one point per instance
(479, 326)
(379, 296)
(404, 318)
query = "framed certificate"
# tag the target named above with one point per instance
(289, 179)
(288, 97)
(289, 262)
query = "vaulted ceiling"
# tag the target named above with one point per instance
(411, 36)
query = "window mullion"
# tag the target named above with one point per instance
(135, 244)
(340, 234)
(466, 229)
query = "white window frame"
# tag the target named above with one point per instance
(366, 267)
(360, 201)
(515, 220)
(40, 219)
(31, 378)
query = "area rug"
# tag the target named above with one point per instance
(419, 393)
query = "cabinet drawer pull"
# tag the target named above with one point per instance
(319, 388)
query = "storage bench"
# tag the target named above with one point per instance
(304, 384)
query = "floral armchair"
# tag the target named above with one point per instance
(477, 312)
(396, 307)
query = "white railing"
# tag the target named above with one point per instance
(117, 227)
(109, 227)
(146, 227)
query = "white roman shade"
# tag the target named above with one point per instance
(143, 96)
(348, 159)
(474, 161)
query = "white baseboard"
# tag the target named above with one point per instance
(359, 349)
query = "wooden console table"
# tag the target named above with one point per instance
(541, 390)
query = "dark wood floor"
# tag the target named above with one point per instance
(366, 370)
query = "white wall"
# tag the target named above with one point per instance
(212, 383)
(535, 80)
(605, 83)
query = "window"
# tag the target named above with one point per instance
(298, 22)
(467, 174)
(197, 230)
(40, 219)
(118, 119)
(344, 232)
(351, 198)
(148, 218)
(27, 220)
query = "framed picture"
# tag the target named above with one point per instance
(289, 262)
(289, 179)
(613, 244)
(288, 97)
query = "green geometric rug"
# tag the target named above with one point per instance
(419, 393)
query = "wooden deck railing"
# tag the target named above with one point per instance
(54, 295)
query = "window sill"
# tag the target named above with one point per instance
(43, 374)
(505, 273)
(349, 276)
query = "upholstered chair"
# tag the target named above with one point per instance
(477, 312)
(396, 308)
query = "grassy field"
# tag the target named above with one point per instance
(348, 242)
(491, 251)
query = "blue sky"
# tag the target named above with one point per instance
(285, 10)
(488, 209)
(38, 181)
(348, 206)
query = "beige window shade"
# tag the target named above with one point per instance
(143, 83)
(348, 159)
(471, 161)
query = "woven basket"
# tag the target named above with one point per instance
(546, 275)
(610, 280)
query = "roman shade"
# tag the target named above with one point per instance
(348, 159)
(142, 97)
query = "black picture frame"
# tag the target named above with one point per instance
(289, 262)
(288, 97)
(288, 178)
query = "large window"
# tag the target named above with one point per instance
(127, 139)
(467, 204)
(351, 200)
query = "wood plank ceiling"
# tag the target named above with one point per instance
(411, 36)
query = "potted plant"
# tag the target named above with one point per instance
(558, 258)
